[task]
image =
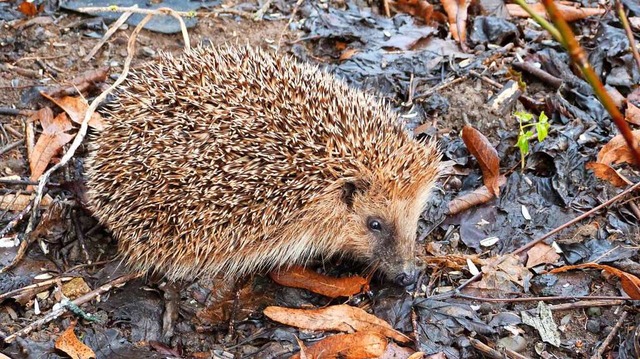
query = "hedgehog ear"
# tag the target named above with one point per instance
(350, 189)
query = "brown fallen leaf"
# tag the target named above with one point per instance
(486, 155)
(570, 13)
(70, 345)
(541, 253)
(360, 345)
(617, 151)
(418, 8)
(300, 277)
(457, 15)
(30, 9)
(342, 318)
(76, 108)
(632, 114)
(50, 142)
(630, 283)
(473, 198)
(608, 173)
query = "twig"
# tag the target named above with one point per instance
(39, 286)
(618, 300)
(552, 232)
(546, 77)
(439, 87)
(10, 146)
(293, 14)
(149, 12)
(8, 111)
(52, 315)
(114, 27)
(263, 10)
(215, 12)
(627, 30)
(609, 339)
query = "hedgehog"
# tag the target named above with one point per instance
(225, 161)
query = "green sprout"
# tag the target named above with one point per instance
(527, 133)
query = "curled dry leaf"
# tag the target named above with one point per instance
(342, 318)
(360, 345)
(473, 198)
(76, 108)
(630, 283)
(300, 277)
(486, 155)
(18, 202)
(570, 13)
(70, 345)
(418, 8)
(608, 173)
(457, 15)
(617, 151)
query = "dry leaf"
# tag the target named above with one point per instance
(70, 345)
(570, 13)
(617, 151)
(18, 202)
(457, 15)
(342, 318)
(486, 155)
(632, 115)
(300, 277)
(608, 173)
(361, 345)
(30, 9)
(473, 198)
(541, 253)
(76, 108)
(630, 283)
(49, 143)
(418, 8)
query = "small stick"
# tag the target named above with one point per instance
(114, 27)
(627, 30)
(609, 339)
(263, 10)
(11, 146)
(52, 315)
(39, 286)
(293, 14)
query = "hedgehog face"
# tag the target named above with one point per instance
(382, 231)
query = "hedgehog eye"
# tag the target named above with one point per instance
(374, 225)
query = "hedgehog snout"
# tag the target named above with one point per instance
(409, 274)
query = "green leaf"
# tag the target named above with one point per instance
(523, 144)
(523, 116)
(543, 118)
(528, 135)
(543, 130)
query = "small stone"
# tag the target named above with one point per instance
(593, 326)
(516, 344)
(594, 312)
(147, 51)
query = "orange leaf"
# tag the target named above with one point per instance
(617, 151)
(457, 14)
(470, 199)
(361, 345)
(50, 142)
(70, 345)
(607, 173)
(76, 108)
(570, 13)
(342, 318)
(30, 9)
(632, 115)
(541, 253)
(487, 157)
(630, 283)
(300, 277)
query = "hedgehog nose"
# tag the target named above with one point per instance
(407, 277)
